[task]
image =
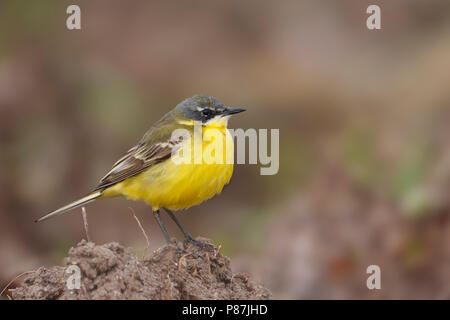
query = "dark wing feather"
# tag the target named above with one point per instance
(133, 163)
(142, 156)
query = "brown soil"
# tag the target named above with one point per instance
(110, 271)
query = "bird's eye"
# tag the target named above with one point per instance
(206, 112)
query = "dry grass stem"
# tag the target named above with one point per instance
(86, 226)
(15, 278)
(143, 231)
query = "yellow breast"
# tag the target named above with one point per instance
(179, 185)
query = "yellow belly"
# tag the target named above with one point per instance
(178, 186)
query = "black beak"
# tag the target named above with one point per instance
(230, 111)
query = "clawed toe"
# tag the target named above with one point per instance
(200, 244)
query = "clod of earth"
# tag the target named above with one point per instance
(110, 271)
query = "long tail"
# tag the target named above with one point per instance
(89, 198)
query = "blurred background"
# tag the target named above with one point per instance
(363, 117)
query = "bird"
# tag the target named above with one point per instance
(148, 171)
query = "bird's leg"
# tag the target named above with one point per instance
(164, 231)
(188, 236)
(172, 216)
(162, 226)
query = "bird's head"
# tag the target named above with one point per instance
(204, 109)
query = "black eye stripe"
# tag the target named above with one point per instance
(207, 112)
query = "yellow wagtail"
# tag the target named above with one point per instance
(147, 171)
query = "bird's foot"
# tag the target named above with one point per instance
(202, 245)
(183, 252)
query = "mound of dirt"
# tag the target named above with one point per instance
(110, 271)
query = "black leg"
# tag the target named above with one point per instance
(162, 226)
(186, 233)
(174, 218)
